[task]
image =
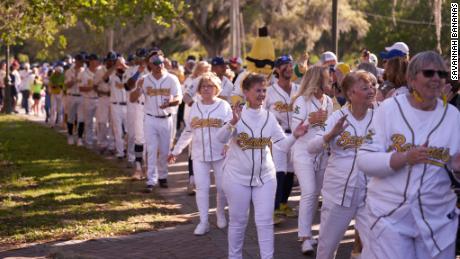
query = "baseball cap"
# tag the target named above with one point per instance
(79, 57)
(217, 61)
(141, 53)
(111, 56)
(156, 59)
(401, 46)
(327, 56)
(343, 68)
(236, 60)
(284, 59)
(93, 57)
(392, 54)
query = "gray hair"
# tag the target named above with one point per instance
(369, 68)
(422, 60)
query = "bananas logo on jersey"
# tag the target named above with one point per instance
(155, 92)
(282, 107)
(206, 123)
(347, 141)
(260, 59)
(245, 142)
(436, 154)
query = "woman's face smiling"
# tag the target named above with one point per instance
(256, 95)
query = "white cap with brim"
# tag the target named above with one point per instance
(401, 46)
(327, 56)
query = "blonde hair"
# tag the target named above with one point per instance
(353, 78)
(200, 68)
(213, 78)
(313, 80)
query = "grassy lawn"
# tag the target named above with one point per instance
(52, 191)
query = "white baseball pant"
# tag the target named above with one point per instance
(157, 132)
(56, 108)
(90, 107)
(118, 120)
(131, 128)
(400, 240)
(239, 199)
(202, 174)
(74, 109)
(335, 220)
(310, 181)
(104, 129)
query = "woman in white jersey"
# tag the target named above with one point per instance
(344, 186)
(249, 172)
(312, 106)
(206, 117)
(411, 207)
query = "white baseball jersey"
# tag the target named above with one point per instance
(249, 161)
(201, 127)
(99, 81)
(117, 89)
(342, 176)
(157, 92)
(302, 107)
(278, 102)
(87, 79)
(422, 189)
(73, 74)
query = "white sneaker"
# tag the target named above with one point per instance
(221, 221)
(201, 229)
(79, 142)
(307, 247)
(70, 140)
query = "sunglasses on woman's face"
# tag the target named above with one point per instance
(429, 73)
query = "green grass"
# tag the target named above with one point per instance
(52, 191)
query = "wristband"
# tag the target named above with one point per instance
(297, 71)
(135, 76)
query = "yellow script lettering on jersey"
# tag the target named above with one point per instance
(282, 107)
(155, 92)
(206, 123)
(347, 141)
(245, 142)
(438, 155)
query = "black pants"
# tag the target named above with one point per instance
(25, 100)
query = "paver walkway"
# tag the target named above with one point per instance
(179, 241)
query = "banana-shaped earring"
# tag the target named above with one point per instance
(444, 99)
(417, 96)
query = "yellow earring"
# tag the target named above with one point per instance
(417, 96)
(444, 99)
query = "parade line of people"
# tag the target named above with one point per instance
(379, 146)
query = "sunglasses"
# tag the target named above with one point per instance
(260, 63)
(429, 73)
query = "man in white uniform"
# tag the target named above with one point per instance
(89, 97)
(74, 99)
(102, 87)
(278, 101)
(162, 91)
(135, 118)
(118, 101)
(219, 67)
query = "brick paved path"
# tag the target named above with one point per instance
(179, 242)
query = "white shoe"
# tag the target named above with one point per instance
(79, 142)
(307, 247)
(70, 140)
(221, 221)
(201, 229)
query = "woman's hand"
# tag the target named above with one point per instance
(455, 162)
(171, 159)
(236, 113)
(300, 130)
(318, 117)
(339, 127)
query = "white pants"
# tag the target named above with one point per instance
(90, 106)
(118, 120)
(104, 128)
(56, 109)
(335, 220)
(310, 181)
(201, 171)
(157, 132)
(74, 108)
(400, 240)
(131, 129)
(239, 199)
(139, 125)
